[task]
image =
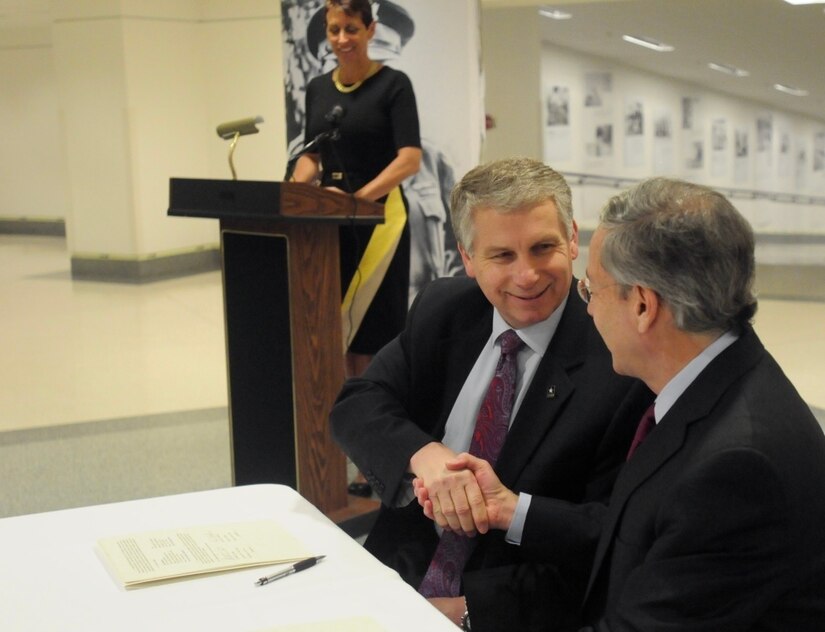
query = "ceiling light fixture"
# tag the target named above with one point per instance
(728, 69)
(797, 92)
(805, 1)
(554, 14)
(648, 42)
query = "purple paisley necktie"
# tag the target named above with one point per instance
(443, 578)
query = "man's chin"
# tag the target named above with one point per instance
(526, 318)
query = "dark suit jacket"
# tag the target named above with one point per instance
(569, 436)
(718, 521)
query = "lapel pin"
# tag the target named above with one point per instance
(551, 392)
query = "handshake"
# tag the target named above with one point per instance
(461, 492)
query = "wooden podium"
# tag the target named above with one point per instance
(282, 305)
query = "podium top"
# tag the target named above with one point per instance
(260, 200)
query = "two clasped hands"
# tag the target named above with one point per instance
(460, 492)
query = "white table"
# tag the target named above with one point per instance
(52, 577)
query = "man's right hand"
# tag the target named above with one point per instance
(455, 500)
(499, 502)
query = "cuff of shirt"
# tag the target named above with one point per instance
(405, 493)
(514, 533)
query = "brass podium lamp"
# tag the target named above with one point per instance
(234, 130)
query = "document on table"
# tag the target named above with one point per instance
(159, 555)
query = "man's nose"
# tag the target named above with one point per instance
(526, 274)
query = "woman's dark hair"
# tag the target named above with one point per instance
(354, 8)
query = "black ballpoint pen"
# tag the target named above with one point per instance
(297, 567)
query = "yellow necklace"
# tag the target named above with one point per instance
(374, 66)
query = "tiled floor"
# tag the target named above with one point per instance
(76, 352)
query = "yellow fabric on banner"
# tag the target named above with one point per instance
(373, 265)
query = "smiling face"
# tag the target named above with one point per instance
(347, 35)
(522, 261)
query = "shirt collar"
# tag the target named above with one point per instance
(537, 336)
(684, 378)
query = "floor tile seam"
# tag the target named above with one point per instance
(119, 424)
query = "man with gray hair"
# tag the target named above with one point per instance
(505, 364)
(717, 520)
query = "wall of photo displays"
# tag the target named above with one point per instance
(620, 124)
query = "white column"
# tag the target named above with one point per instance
(511, 41)
(142, 86)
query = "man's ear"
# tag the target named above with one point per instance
(574, 241)
(467, 261)
(646, 305)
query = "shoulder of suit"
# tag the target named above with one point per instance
(450, 298)
(454, 288)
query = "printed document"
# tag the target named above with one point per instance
(148, 557)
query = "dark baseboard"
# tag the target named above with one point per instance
(23, 226)
(791, 282)
(120, 270)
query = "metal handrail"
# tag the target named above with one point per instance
(747, 194)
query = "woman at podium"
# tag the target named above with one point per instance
(364, 140)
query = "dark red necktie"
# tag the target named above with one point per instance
(443, 577)
(647, 423)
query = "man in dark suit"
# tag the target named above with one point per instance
(717, 521)
(415, 407)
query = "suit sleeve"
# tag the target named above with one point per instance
(370, 418)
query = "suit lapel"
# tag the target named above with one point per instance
(550, 388)
(457, 354)
(657, 449)
(696, 403)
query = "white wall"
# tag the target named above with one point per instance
(32, 173)
(658, 94)
(511, 56)
(98, 112)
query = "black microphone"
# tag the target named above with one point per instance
(333, 117)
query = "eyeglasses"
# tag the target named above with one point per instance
(585, 291)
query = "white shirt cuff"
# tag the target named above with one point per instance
(514, 533)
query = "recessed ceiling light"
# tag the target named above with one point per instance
(797, 92)
(554, 14)
(805, 1)
(728, 69)
(648, 42)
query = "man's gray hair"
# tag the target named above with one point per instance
(504, 186)
(687, 243)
